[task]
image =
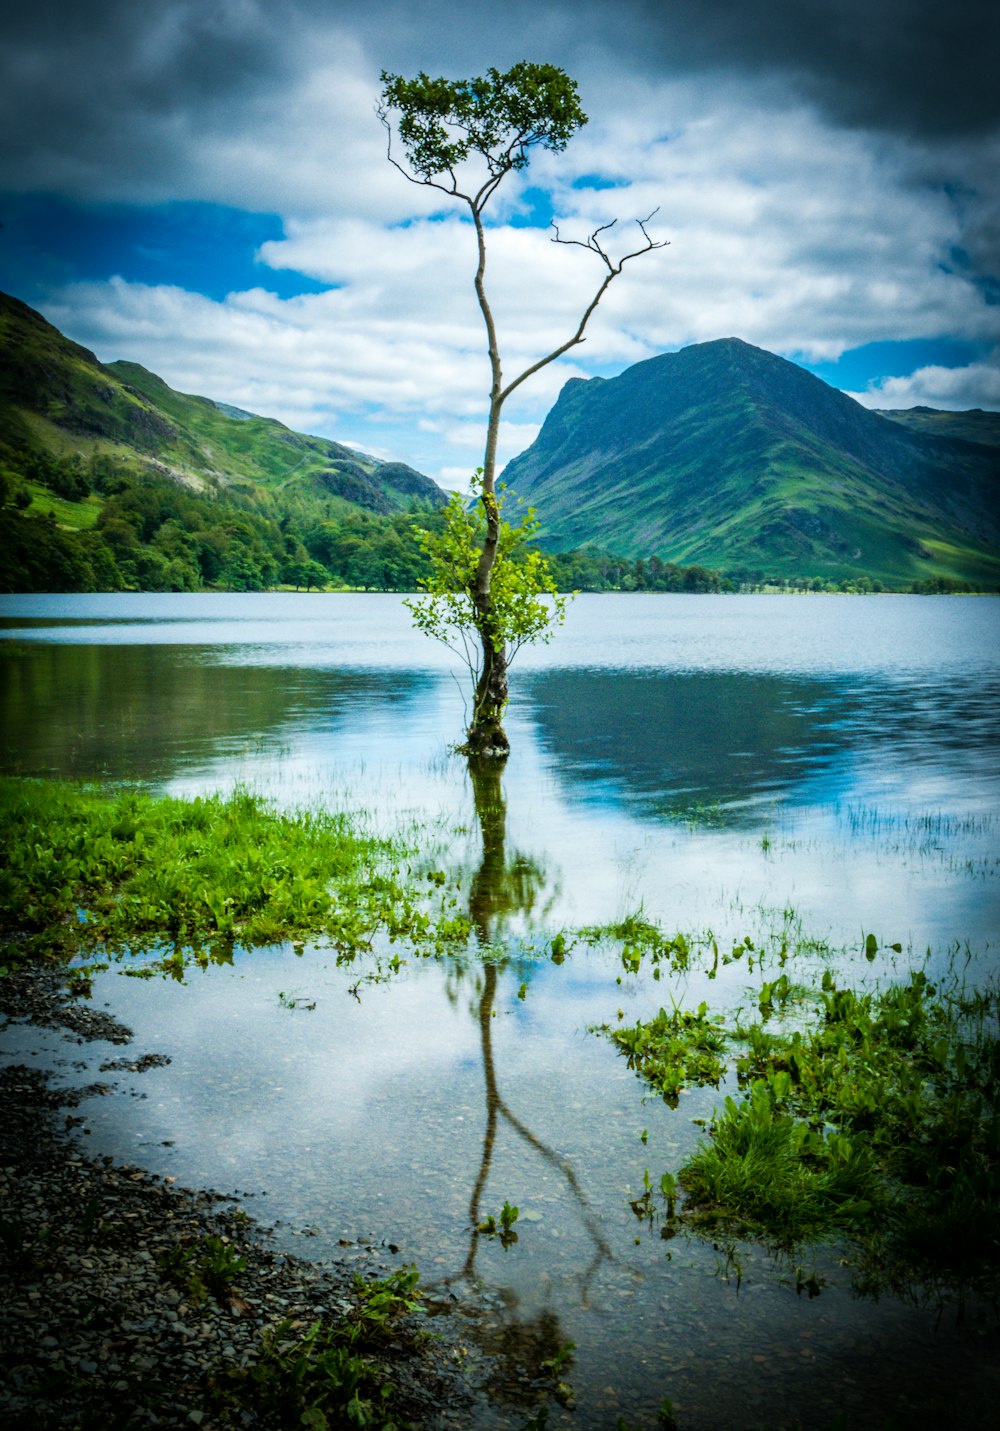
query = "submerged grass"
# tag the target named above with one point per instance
(99, 872)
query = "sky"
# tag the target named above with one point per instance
(202, 186)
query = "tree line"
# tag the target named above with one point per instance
(150, 533)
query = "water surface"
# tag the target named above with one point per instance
(739, 765)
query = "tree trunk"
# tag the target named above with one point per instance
(486, 736)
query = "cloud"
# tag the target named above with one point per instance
(268, 102)
(824, 175)
(319, 363)
(954, 389)
(910, 67)
(814, 244)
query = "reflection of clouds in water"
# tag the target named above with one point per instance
(651, 785)
(267, 1081)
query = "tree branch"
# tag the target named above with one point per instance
(453, 191)
(593, 245)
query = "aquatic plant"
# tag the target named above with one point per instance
(502, 1228)
(675, 1049)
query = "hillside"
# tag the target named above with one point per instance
(110, 480)
(721, 461)
(726, 455)
(56, 397)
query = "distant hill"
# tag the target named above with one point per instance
(56, 397)
(110, 480)
(725, 455)
(973, 425)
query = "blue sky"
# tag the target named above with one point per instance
(203, 188)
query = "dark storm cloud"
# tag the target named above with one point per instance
(111, 86)
(105, 94)
(924, 67)
(908, 66)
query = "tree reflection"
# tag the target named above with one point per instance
(502, 886)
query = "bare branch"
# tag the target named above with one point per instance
(593, 245)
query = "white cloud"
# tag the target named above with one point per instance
(955, 389)
(785, 231)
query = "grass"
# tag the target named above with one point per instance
(96, 872)
(876, 1122)
(865, 1117)
(80, 516)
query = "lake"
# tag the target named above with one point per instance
(733, 767)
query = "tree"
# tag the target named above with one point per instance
(464, 137)
(523, 598)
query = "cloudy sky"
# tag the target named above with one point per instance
(202, 186)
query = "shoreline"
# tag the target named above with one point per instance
(94, 1332)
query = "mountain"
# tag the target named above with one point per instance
(56, 397)
(975, 425)
(728, 456)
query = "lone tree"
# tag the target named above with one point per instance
(464, 137)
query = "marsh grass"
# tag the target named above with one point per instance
(878, 1122)
(863, 1117)
(96, 872)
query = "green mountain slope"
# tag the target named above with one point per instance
(726, 455)
(56, 397)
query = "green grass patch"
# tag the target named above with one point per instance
(96, 872)
(78, 516)
(865, 1118)
(878, 1123)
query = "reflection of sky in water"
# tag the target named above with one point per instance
(737, 765)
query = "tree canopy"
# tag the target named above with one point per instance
(497, 117)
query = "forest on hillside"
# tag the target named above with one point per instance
(75, 524)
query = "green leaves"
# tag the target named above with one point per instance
(525, 606)
(331, 1375)
(879, 1120)
(674, 1050)
(498, 117)
(502, 1229)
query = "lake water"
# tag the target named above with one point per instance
(731, 766)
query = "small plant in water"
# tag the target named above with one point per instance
(293, 1001)
(674, 1049)
(502, 1229)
